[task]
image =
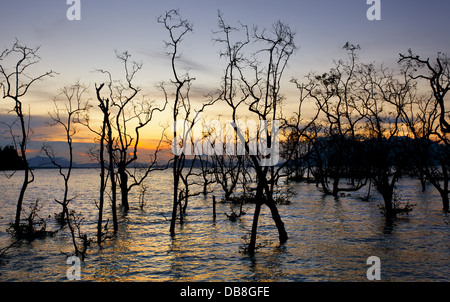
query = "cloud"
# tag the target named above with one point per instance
(184, 62)
(80, 150)
(37, 123)
(49, 30)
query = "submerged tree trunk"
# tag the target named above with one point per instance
(124, 187)
(387, 192)
(252, 244)
(445, 191)
(282, 234)
(336, 186)
(269, 201)
(445, 200)
(113, 180)
(104, 106)
(102, 189)
(20, 199)
(23, 155)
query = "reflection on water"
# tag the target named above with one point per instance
(329, 239)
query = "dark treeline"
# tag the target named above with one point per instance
(376, 127)
(357, 125)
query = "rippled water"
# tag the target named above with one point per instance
(329, 239)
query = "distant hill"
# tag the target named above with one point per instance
(43, 162)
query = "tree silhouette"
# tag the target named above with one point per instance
(105, 139)
(228, 168)
(437, 75)
(296, 133)
(183, 116)
(383, 94)
(130, 114)
(430, 156)
(261, 93)
(334, 93)
(66, 116)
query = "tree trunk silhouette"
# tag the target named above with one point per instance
(74, 107)
(263, 98)
(104, 106)
(335, 93)
(111, 171)
(176, 181)
(124, 113)
(252, 244)
(123, 187)
(181, 104)
(386, 192)
(438, 78)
